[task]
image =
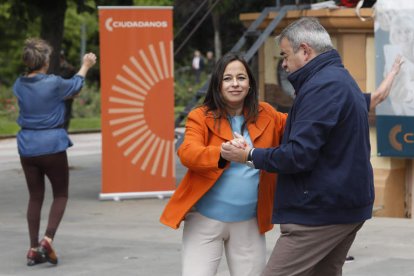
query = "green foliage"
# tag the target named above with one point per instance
(72, 37)
(19, 20)
(13, 33)
(83, 124)
(87, 103)
(8, 104)
(184, 86)
(8, 127)
(72, 33)
(8, 111)
(185, 89)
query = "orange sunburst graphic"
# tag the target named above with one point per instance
(137, 93)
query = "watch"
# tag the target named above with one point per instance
(249, 161)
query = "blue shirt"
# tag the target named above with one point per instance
(42, 111)
(234, 196)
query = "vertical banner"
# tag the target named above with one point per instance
(394, 35)
(136, 55)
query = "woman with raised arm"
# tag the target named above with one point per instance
(42, 140)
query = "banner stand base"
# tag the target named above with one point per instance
(122, 196)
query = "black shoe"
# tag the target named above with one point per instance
(34, 258)
(349, 259)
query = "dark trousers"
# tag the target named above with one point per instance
(197, 75)
(311, 250)
(55, 167)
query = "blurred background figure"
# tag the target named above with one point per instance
(210, 62)
(197, 65)
(66, 71)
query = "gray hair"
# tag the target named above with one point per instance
(307, 30)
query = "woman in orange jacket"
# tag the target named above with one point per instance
(228, 205)
(225, 203)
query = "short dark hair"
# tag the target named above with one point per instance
(214, 101)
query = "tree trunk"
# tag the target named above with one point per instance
(52, 27)
(215, 15)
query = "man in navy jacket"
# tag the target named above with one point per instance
(325, 189)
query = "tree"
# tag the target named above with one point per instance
(220, 31)
(58, 22)
(215, 16)
(52, 17)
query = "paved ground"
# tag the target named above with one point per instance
(125, 237)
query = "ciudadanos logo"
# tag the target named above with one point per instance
(112, 24)
(397, 137)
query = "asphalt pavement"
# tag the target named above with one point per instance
(125, 238)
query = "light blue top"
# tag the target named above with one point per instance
(42, 112)
(234, 196)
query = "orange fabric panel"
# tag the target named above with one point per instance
(137, 99)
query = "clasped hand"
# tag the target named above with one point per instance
(235, 150)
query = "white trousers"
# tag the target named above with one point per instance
(204, 240)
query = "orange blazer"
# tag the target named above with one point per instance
(200, 153)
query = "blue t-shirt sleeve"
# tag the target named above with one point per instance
(70, 87)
